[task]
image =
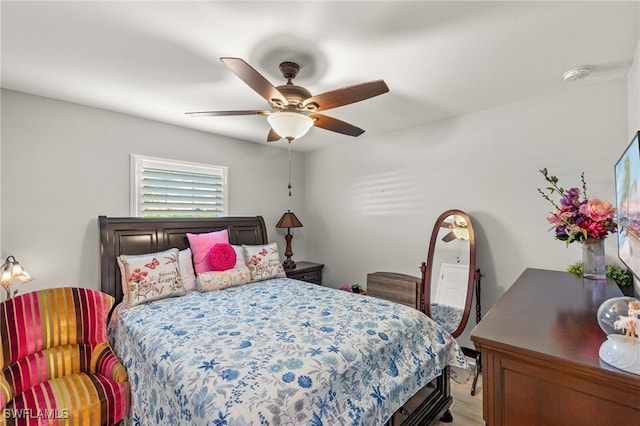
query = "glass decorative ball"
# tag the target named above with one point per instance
(611, 310)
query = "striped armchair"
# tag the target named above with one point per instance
(56, 364)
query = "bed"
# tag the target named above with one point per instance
(278, 351)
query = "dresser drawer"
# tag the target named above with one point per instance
(399, 288)
(309, 276)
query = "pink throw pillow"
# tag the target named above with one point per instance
(201, 244)
(222, 257)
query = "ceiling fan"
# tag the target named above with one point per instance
(294, 109)
(459, 229)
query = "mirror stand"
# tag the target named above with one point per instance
(450, 278)
(469, 352)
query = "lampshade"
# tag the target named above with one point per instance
(289, 220)
(11, 271)
(290, 125)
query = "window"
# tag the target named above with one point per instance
(169, 188)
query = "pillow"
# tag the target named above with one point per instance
(218, 280)
(263, 262)
(240, 260)
(222, 257)
(200, 245)
(150, 276)
(186, 270)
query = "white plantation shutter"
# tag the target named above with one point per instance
(169, 188)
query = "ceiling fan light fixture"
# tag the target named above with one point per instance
(290, 125)
(295, 109)
(461, 233)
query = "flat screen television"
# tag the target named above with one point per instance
(627, 171)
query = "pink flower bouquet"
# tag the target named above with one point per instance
(575, 219)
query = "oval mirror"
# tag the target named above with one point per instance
(449, 273)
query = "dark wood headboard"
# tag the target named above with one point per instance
(134, 235)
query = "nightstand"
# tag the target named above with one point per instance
(306, 271)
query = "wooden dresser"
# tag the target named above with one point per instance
(540, 363)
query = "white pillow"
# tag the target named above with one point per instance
(187, 273)
(240, 260)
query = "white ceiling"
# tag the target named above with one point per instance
(159, 59)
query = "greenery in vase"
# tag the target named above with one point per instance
(619, 275)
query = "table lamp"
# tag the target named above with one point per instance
(13, 271)
(289, 220)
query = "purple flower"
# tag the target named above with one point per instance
(570, 198)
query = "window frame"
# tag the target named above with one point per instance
(138, 163)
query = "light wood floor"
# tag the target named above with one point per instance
(466, 409)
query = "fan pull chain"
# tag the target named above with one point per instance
(289, 169)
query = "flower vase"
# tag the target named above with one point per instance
(593, 262)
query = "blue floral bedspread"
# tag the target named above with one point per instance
(276, 352)
(448, 317)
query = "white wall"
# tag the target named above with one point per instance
(376, 209)
(64, 164)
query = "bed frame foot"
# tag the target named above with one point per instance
(447, 417)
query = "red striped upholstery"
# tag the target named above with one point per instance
(57, 367)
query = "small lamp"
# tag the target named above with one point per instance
(289, 220)
(12, 271)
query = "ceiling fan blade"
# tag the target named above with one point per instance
(449, 237)
(223, 113)
(347, 95)
(255, 80)
(335, 125)
(447, 225)
(273, 136)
